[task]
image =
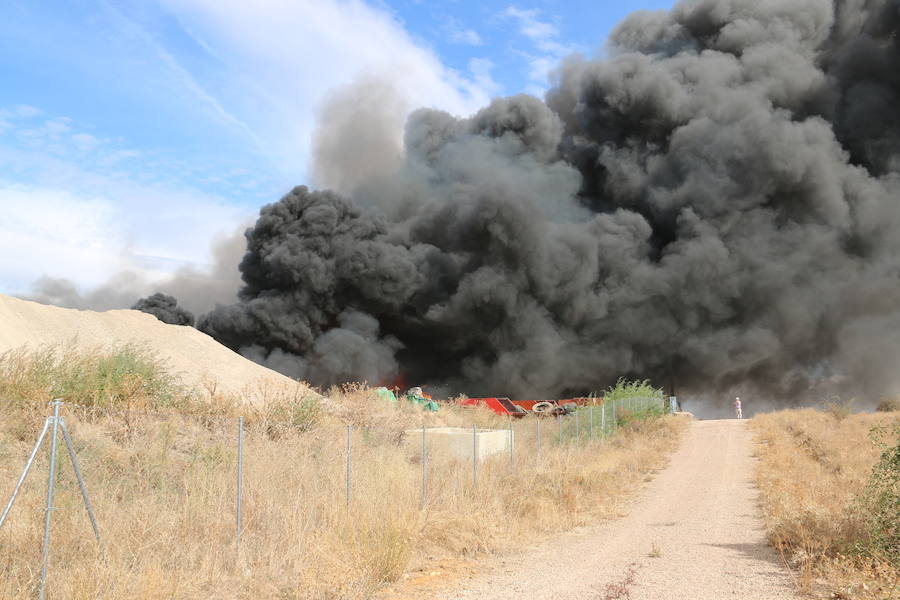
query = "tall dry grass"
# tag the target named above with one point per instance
(813, 473)
(161, 476)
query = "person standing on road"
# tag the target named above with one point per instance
(737, 408)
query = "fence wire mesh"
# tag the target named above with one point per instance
(211, 483)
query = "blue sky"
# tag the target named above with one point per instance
(132, 134)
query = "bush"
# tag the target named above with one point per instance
(828, 509)
(881, 502)
(624, 390)
(285, 415)
(631, 389)
(889, 404)
(125, 375)
(838, 408)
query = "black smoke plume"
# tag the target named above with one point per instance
(165, 308)
(718, 200)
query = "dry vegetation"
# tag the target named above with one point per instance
(833, 519)
(160, 468)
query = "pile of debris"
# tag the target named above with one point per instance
(501, 406)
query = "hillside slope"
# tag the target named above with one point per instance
(196, 358)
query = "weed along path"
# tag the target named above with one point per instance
(693, 533)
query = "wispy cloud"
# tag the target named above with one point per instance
(207, 110)
(531, 26)
(482, 73)
(459, 34)
(78, 206)
(283, 58)
(187, 80)
(544, 36)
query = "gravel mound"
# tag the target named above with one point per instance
(195, 358)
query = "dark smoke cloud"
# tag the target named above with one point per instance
(165, 308)
(719, 200)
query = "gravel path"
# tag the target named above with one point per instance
(694, 533)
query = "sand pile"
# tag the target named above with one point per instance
(197, 359)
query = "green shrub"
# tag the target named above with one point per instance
(881, 502)
(127, 376)
(631, 389)
(625, 390)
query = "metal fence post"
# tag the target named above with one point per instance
(474, 455)
(424, 468)
(603, 419)
(51, 480)
(239, 496)
(591, 417)
(349, 464)
(577, 423)
(615, 424)
(510, 440)
(538, 435)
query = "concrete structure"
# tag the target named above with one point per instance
(459, 443)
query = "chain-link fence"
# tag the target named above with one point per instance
(217, 481)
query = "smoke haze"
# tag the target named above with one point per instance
(718, 201)
(197, 290)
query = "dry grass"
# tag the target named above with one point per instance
(814, 468)
(162, 479)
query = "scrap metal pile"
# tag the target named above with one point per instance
(501, 406)
(540, 408)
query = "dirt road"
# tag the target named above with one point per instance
(694, 533)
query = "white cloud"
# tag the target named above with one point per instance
(24, 111)
(547, 49)
(55, 231)
(83, 205)
(482, 73)
(85, 141)
(180, 73)
(458, 34)
(283, 57)
(72, 206)
(531, 26)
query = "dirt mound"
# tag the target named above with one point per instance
(197, 359)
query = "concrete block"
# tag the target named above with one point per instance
(458, 443)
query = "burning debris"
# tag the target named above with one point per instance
(720, 199)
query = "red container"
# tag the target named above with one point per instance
(501, 406)
(520, 408)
